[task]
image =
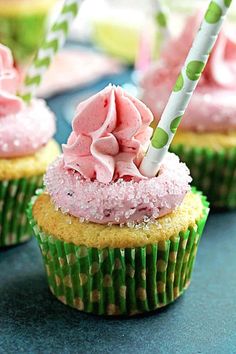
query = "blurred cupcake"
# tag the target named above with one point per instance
(23, 25)
(206, 139)
(113, 241)
(26, 149)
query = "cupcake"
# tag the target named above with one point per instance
(206, 139)
(113, 241)
(23, 25)
(26, 149)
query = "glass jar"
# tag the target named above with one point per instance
(22, 26)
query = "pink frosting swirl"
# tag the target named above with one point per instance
(110, 135)
(9, 80)
(213, 105)
(23, 128)
(97, 178)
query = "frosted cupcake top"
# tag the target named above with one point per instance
(110, 135)
(97, 178)
(23, 129)
(213, 105)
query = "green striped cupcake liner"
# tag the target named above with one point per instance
(14, 198)
(213, 172)
(119, 281)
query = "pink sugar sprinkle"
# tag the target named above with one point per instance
(122, 201)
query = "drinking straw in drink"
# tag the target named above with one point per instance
(54, 40)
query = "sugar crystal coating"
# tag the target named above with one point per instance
(133, 203)
(25, 132)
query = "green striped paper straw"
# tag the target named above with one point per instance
(185, 86)
(54, 40)
(161, 18)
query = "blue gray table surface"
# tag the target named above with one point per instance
(201, 321)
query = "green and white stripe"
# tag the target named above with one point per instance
(185, 86)
(14, 198)
(120, 281)
(53, 42)
(213, 172)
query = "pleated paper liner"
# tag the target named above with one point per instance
(213, 172)
(14, 198)
(123, 281)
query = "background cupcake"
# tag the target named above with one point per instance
(26, 148)
(206, 139)
(113, 241)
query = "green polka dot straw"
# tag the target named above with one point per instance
(51, 45)
(161, 18)
(185, 86)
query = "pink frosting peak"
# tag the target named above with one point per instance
(9, 80)
(213, 105)
(110, 135)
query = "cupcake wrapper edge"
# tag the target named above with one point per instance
(120, 281)
(14, 198)
(213, 172)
